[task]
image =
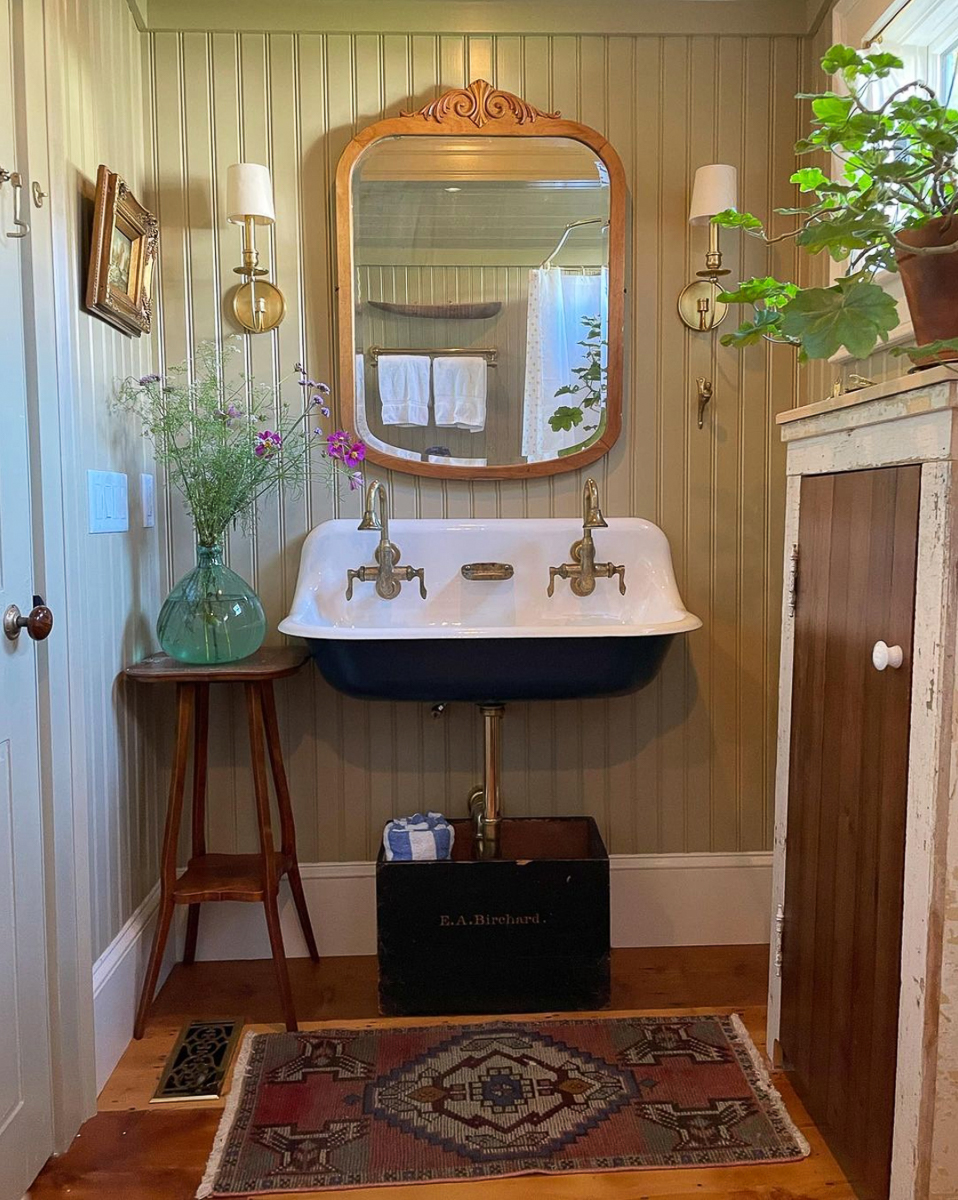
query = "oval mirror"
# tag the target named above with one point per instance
(481, 289)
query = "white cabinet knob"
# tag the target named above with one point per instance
(887, 656)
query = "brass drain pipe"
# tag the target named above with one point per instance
(485, 803)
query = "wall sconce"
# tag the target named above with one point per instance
(259, 306)
(715, 189)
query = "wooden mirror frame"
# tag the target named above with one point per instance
(480, 110)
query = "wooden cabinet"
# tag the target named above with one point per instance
(857, 543)
(863, 1003)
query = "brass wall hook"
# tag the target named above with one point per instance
(705, 396)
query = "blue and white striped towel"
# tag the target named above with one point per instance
(419, 838)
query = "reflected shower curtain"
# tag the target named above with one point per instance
(558, 300)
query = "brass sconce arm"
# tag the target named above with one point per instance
(258, 305)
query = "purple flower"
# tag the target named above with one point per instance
(145, 379)
(341, 445)
(323, 387)
(230, 415)
(355, 480)
(267, 443)
(337, 444)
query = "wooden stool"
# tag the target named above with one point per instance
(251, 877)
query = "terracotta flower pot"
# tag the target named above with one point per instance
(931, 284)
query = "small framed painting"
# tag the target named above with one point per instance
(122, 254)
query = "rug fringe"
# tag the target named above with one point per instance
(226, 1121)
(765, 1080)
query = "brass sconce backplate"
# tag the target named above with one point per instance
(693, 297)
(270, 306)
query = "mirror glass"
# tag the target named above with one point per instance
(481, 289)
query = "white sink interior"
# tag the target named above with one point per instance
(461, 608)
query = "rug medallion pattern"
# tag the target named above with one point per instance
(338, 1108)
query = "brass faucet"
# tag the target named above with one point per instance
(387, 574)
(583, 571)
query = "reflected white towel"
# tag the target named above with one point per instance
(459, 392)
(450, 460)
(404, 388)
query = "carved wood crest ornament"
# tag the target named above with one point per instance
(480, 103)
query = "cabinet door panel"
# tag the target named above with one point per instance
(858, 535)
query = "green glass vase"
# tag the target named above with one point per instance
(212, 615)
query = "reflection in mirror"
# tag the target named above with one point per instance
(482, 298)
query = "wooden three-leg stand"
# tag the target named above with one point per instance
(251, 877)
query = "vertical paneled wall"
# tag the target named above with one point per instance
(685, 765)
(817, 378)
(97, 115)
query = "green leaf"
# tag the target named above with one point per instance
(853, 314)
(767, 323)
(730, 219)
(833, 110)
(840, 58)
(929, 350)
(565, 418)
(753, 291)
(809, 179)
(884, 62)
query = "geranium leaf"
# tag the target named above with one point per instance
(840, 58)
(853, 314)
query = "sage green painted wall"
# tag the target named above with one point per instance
(96, 114)
(686, 765)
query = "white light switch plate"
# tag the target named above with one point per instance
(148, 501)
(109, 510)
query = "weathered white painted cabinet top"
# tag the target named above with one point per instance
(910, 420)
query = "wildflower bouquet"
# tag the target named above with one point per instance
(224, 446)
(216, 443)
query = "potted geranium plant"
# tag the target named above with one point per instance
(224, 446)
(894, 208)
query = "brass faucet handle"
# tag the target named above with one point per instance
(351, 576)
(420, 574)
(620, 571)
(554, 574)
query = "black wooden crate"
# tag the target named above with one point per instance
(527, 931)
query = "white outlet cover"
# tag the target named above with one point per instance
(109, 508)
(148, 501)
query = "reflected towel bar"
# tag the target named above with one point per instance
(489, 353)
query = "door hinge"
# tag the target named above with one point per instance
(793, 581)
(779, 939)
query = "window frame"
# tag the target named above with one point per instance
(923, 33)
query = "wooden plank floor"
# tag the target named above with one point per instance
(130, 1151)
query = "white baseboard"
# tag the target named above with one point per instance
(657, 900)
(117, 979)
(690, 899)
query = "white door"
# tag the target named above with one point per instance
(26, 1137)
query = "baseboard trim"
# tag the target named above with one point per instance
(117, 978)
(657, 900)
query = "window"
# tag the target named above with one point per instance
(924, 34)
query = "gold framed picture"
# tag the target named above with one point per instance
(122, 254)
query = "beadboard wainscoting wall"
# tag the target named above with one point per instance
(97, 114)
(816, 379)
(685, 766)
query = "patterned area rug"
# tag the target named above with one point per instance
(341, 1108)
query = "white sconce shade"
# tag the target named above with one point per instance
(249, 193)
(715, 189)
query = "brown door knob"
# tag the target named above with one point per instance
(38, 622)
